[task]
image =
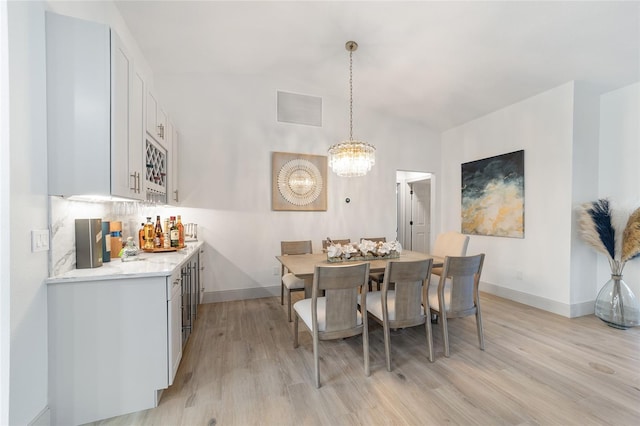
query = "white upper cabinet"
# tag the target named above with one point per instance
(173, 197)
(127, 112)
(95, 121)
(156, 119)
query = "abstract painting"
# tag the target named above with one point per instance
(493, 196)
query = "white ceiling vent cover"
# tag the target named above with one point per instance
(299, 109)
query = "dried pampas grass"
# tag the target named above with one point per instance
(631, 237)
(596, 228)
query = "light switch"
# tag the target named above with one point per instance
(39, 240)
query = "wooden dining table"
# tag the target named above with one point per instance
(303, 265)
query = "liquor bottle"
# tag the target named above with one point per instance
(166, 235)
(174, 233)
(141, 236)
(149, 235)
(116, 238)
(159, 238)
(180, 232)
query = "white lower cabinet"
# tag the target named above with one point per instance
(107, 348)
(114, 343)
(174, 309)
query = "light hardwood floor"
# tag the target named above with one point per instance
(240, 368)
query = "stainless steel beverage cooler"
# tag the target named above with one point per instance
(88, 243)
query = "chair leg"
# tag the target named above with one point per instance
(316, 358)
(429, 331)
(281, 293)
(387, 344)
(289, 305)
(445, 332)
(365, 348)
(479, 325)
(295, 331)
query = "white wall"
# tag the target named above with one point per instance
(619, 171)
(226, 141)
(5, 253)
(28, 210)
(584, 166)
(535, 269)
(579, 146)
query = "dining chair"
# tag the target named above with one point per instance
(336, 315)
(376, 277)
(449, 243)
(327, 243)
(403, 306)
(289, 280)
(457, 294)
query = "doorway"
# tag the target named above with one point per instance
(413, 206)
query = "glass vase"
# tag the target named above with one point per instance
(616, 304)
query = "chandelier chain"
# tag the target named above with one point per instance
(350, 95)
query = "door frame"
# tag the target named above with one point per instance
(403, 178)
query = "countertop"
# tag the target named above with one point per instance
(148, 265)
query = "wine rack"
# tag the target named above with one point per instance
(155, 170)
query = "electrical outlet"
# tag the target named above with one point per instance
(39, 240)
(276, 270)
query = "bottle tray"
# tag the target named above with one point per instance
(162, 250)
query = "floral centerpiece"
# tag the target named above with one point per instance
(616, 304)
(364, 250)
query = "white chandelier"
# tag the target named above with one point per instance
(351, 158)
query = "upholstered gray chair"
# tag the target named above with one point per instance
(335, 315)
(288, 280)
(403, 306)
(449, 243)
(457, 294)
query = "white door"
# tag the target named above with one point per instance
(419, 222)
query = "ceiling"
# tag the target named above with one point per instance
(440, 63)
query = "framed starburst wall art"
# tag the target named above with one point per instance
(493, 196)
(299, 182)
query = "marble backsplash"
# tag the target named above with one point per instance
(63, 213)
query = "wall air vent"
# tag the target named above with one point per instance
(299, 109)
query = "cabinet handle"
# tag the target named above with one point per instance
(176, 197)
(161, 131)
(138, 182)
(135, 187)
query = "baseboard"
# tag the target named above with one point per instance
(582, 309)
(43, 418)
(569, 311)
(240, 294)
